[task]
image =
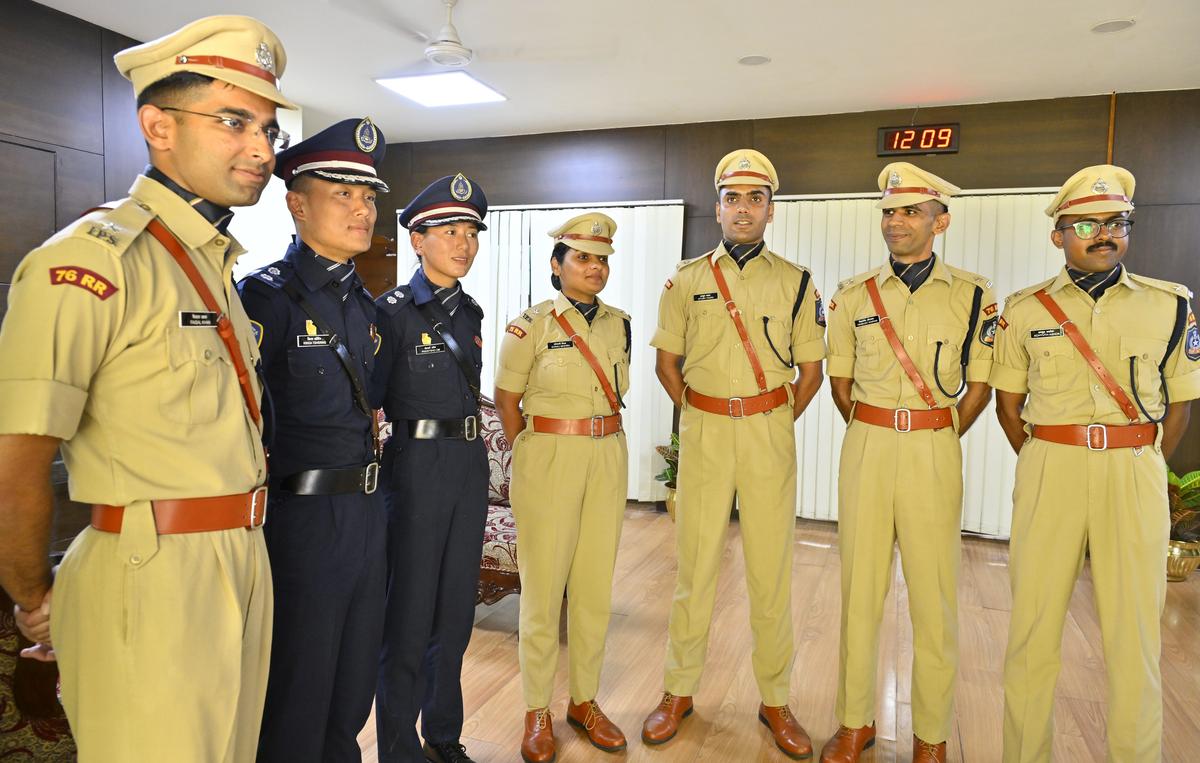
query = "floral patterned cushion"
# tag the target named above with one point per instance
(499, 453)
(499, 540)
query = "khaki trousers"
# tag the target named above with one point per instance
(754, 457)
(163, 642)
(903, 487)
(568, 497)
(1070, 500)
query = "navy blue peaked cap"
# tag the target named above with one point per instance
(347, 152)
(451, 199)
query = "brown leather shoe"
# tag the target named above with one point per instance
(847, 744)
(601, 732)
(924, 752)
(538, 744)
(662, 724)
(789, 735)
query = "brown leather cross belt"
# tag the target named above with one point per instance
(595, 427)
(1098, 436)
(903, 419)
(738, 407)
(193, 515)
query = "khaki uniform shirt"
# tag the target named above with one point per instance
(537, 360)
(97, 352)
(1132, 319)
(693, 322)
(938, 312)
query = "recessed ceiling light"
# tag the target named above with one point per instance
(449, 89)
(1116, 25)
(754, 60)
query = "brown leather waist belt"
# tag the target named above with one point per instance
(903, 419)
(596, 426)
(193, 515)
(738, 407)
(1098, 436)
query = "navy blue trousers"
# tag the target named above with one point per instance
(437, 506)
(329, 565)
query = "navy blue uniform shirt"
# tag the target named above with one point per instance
(318, 425)
(416, 376)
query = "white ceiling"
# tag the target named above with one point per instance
(580, 64)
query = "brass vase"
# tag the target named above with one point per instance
(1182, 559)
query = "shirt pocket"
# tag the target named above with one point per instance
(947, 361)
(868, 354)
(428, 363)
(1054, 364)
(560, 370)
(1147, 353)
(199, 372)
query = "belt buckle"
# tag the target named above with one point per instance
(1103, 430)
(902, 420)
(371, 477)
(255, 495)
(596, 427)
(741, 408)
(470, 428)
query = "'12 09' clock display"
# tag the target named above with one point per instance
(917, 139)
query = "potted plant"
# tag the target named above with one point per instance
(1183, 553)
(670, 454)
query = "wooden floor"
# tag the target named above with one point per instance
(724, 728)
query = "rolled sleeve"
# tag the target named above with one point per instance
(516, 357)
(840, 337)
(808, 336)
(41, 407)
(672, 322)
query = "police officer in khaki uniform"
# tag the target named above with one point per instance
(126, 346)
(564, 367)
(910, 349)
(747, 326)
(1094, 373)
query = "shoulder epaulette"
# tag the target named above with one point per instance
(471, 303)
(692, 262)
(1027, 292)
(531, 314)
(624, 315)
(391, 301)
(115, 228)
(857, 279)
(273, 275)
(1171, 287)
(967, 275)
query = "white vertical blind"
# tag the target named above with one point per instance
(512, 272)
(1004, 236)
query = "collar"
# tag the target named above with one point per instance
(182, 219)
(422, 287)
(313, 269)
(216, 215)
(765, 254)
(563, 304)
(941, 271)
(1063, 279)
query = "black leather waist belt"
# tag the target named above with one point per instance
(357, 479)
(444, 429)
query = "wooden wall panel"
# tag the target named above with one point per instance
(692, 155)
(50, 87)
(124, 150)
(1158, 140)
(27, 194)
(80, 184)
(1004, 145)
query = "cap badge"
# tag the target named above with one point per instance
(1099, 186)
(366, 137)
(460, 187)
(744, 164)
(596, 229)
(264, 57)
(894, 179)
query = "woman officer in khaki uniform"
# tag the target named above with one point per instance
(564, 365)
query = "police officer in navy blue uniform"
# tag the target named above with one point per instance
(315, 326)
(436, 474)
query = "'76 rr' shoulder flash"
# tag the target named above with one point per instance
(88, 280)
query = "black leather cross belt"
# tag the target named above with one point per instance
(357, 479)
(444, 429)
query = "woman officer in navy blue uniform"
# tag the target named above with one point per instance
(435, 473)
(315, 326)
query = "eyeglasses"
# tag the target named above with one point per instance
(1089, 229)
(752, 199)
(278, 139)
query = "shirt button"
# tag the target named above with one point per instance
(135, 559)
(208, 354)
(143, 205)
(1097, 311)
(1145, 356)
(321, 371)
(910, 337)
(222, 242)
(1096, 387)
(1046, 353)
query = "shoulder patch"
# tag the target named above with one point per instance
(1191, 341)
(257, 328)
(668, 284)
(88, 280)
(516, 331)
(987, 334)
(391, 302)
(115, 229)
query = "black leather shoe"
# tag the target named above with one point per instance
(446, 752)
